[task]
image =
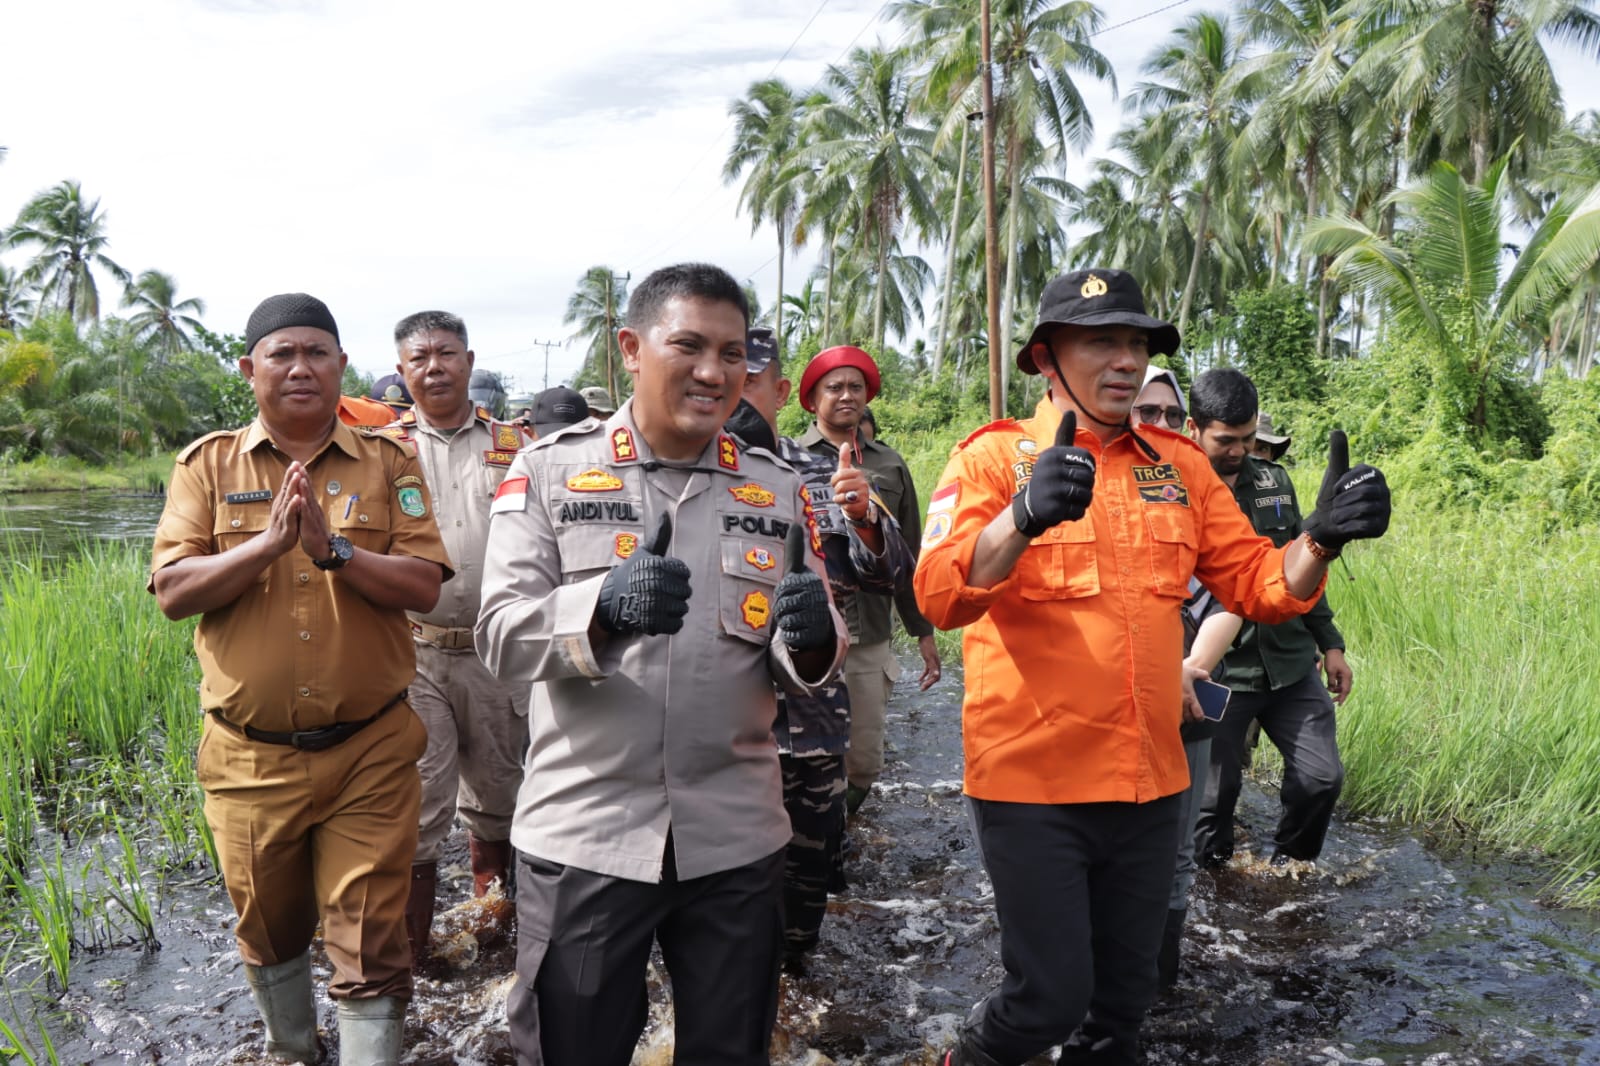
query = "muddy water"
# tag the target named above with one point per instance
(1387, 952)
(56, 521)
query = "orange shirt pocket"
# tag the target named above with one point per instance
(1063, 564)
(1174, 548)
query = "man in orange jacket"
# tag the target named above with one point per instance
(1066, 553)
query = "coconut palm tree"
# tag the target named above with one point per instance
(1197, 107)
(1473, 74)
(70, 235)
(866, 139)
(161, 317)
(768, 126)
(596, 308)
(16, 299)
(1444, 281)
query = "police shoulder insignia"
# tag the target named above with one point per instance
(727, 452)
(411, 502)
(756, 610)
(754, 495)
(483, 413)
(507, 438)
(622, 449)
(627, 544)
(594, 480)
(409, 418)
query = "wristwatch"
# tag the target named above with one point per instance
(342, 552)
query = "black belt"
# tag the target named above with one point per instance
(310, 739)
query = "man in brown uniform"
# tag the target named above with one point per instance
(301, 543)
(477, 727)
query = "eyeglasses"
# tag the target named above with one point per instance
(1152, 413)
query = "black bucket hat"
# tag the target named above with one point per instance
(1096, 298)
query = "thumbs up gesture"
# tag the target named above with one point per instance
(649, 592)
(1352, 504)
(801, 609)
(1062, 486)
(851, 491)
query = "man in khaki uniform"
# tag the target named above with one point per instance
(301, 543)
(652, 578)
(477, 727)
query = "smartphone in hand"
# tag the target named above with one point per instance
(1213, 698)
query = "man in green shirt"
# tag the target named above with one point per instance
(836, 387)
(1272, 669)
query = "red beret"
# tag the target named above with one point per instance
(832, 359)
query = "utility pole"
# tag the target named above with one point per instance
(611, 331)
(991, 233)
(547, 345)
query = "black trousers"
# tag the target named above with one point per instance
(1081, 892)
(1299, 720)
(583, 945)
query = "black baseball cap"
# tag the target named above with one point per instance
(760, 349)
(1096, 298)
(558, 407)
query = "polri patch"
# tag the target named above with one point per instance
(754, 495)
(258, 496)
(627, 544)
(594, 480)
(498, 458)
(411, 502)
(1167, 493)
(756, 610)
(506, 438)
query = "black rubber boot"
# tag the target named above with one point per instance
(966, 1053)
(1171, 943)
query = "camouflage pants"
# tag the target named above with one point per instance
(813, 793)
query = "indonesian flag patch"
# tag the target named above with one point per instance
(511, 496)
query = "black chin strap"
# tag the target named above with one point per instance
(1125, 425)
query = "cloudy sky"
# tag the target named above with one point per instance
(395, 155)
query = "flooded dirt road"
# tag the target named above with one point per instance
(1387, 952)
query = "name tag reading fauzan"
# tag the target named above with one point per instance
(258, 496)
(599, 511)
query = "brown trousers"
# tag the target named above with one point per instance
(328, 834)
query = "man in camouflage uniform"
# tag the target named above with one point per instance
(864, 550)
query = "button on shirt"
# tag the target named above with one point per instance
(299, 649)
(636, 734)
(1073, 683)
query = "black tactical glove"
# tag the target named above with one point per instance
(649, 593)
(801, 609)
(1062, 485)
(1352, 504)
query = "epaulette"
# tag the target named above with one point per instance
(193, 446)
(483, 413)
(395, 435)
(1004, 423)
(588, 425)
(408, 418)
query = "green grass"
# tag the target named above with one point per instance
(55, 474)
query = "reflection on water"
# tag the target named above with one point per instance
(55, 522)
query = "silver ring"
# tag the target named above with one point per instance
(852, 496)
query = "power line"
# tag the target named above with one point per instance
(1139, 18)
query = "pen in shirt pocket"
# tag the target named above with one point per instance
(351, 502)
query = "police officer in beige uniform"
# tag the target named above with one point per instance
(477, 727)
(642, 573)
(301, 543)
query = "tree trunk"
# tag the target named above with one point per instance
(883, 281)
(827, 294)
(777, 325)
(950, 261)
(1013, 268)
(1194, 263)
(1586, 337)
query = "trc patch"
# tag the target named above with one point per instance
(1167, 493)
(594, 480)
(1153, 475)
